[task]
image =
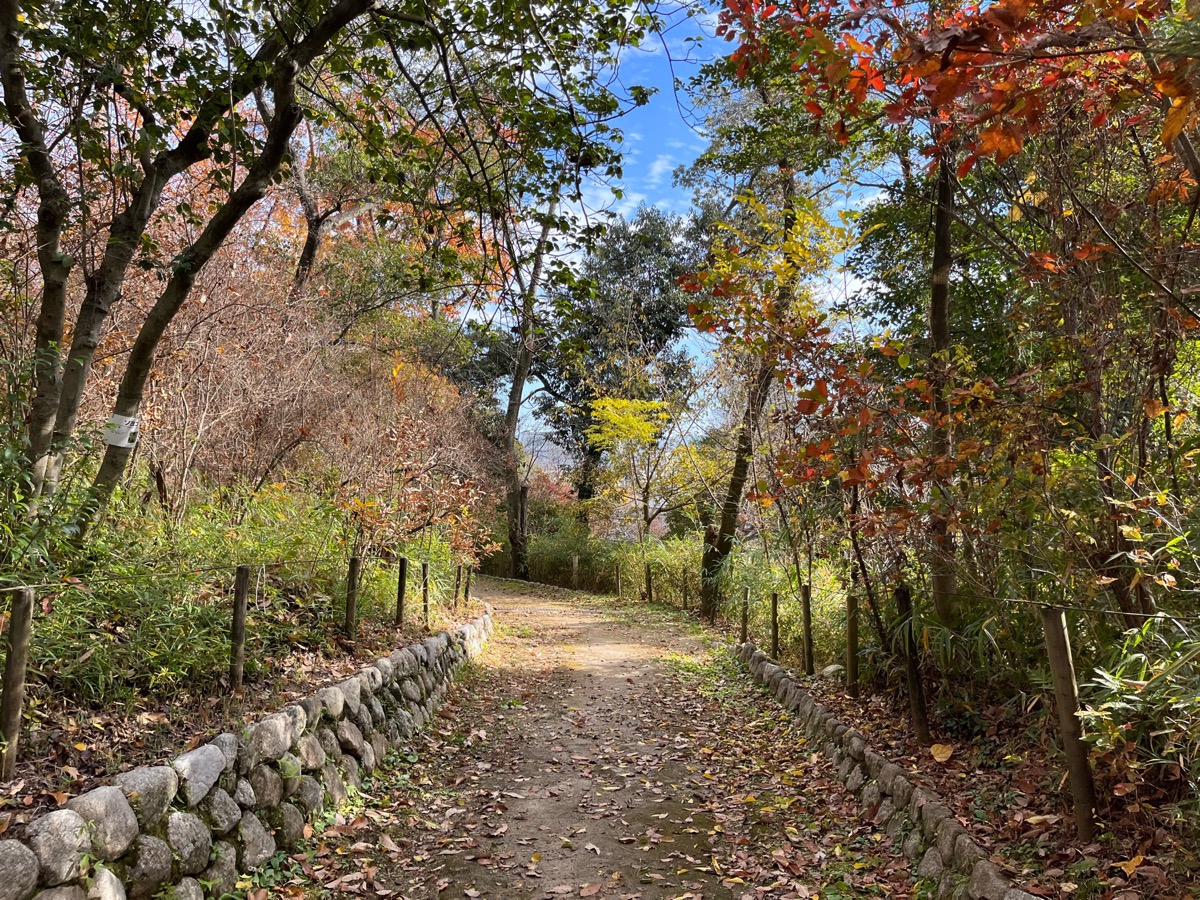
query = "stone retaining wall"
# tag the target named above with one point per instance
(227, 806)
(916, 819)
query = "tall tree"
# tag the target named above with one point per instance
(1015, 83)
(942, 564)
(527, 276)
(762, 140)
(622, 320)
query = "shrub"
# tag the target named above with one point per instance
(147, 608)
(672, 561)
(1143, 714)
(551, 554)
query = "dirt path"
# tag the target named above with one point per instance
(591, 754)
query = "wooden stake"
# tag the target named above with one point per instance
(457, 584)
(401, 589)
(685, 592)
(351, 627)
(852, 644)
(912, 666)
(745, 614)
(1066, 696)
(467, 587)
(425, 590)
(237, 631)
(806, 627)
(620, 596)
(20, 628)
(649, 584)
(575, 572)
(775, 625)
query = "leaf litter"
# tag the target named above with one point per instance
(592, 754)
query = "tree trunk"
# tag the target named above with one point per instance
(516, 534)
(517, 538)
(186, 269)
(317, 224)
(1112, 552)
(54, 207)
(856, 547)
(313, 226)
(518, 528)
(717, 551)
(942, 561)
(585, 480)
(103, 290)
(58, 385)
(912, 666)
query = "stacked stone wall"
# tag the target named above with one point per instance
(917, 819)
(226, 807)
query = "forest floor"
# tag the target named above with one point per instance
(1007, 787)
(601, 752)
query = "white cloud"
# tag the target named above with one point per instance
(660, 169)
(627, 204)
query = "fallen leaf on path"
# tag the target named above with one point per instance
(1130, 865)
(941, 752)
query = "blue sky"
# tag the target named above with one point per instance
(661, 135)
(658, 138)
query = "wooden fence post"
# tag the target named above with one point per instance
(351, 627)
(237, 631)
(649, 584)
(745, 614)
(467, 587)
(806, 628)
(425, 590)
(852, 644)
(912, 666)
(457, 584)
(620, 596)
(1066, 696)
(575, 572)
(401, 589)
(775, 625)
(20, 628)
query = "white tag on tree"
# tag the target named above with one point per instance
(121, 431)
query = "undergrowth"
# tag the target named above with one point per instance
(146, 610)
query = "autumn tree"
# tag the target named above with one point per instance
(1044, 98)
(757, 157)
(125, 103)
